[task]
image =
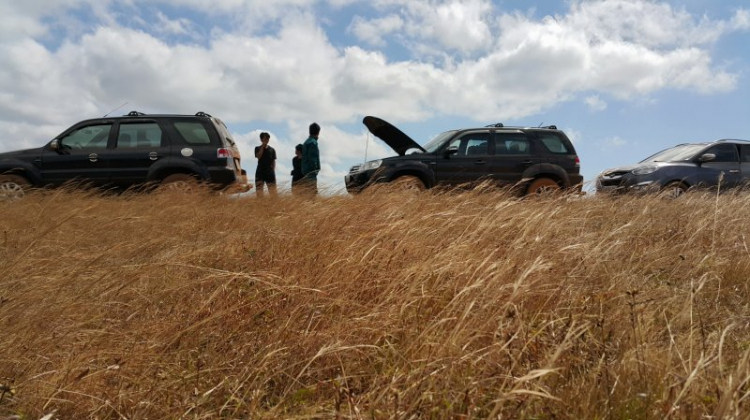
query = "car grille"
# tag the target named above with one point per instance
(354, 169)
(611, 179)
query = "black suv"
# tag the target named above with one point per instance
(532, 159)
(120, 152)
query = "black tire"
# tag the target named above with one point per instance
(543, 186)
(673, 189)
(179, 183)
(409, 183)
(13, 187)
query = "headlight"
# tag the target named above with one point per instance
(373, 164)
(645, 170)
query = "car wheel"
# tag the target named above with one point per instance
(674, 189)
(409, 183)
(13, 187)
(179, 183)
(543, 186)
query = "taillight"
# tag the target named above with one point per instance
(223, 153)
(578, 162)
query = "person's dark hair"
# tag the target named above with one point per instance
(314, 129)
(298, 147)
(265, 135)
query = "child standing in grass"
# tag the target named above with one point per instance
(296, 166)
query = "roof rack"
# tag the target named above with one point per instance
(496, 125)
(135, 114)
(202, 114)
(732, 140)
(549, 127)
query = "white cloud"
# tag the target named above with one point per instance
(179, 26)
(613, 143)
(741, 20)
(372, 31)
(595, 103)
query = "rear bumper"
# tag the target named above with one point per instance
(224, 177)
(576, 182)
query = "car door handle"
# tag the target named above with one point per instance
(734, 171)
(153, 156)
(479, 162)
(528, 162)
(93, 157)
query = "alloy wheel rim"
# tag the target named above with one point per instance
(11, 191)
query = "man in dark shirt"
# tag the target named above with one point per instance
(266, 171)
(311, 160)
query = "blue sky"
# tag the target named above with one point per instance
(624, 78)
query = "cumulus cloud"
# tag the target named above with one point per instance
(595, 103)
(373, 31)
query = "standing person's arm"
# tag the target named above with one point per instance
(315, 152)
(259, 151)
(273, 161)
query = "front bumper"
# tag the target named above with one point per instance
(356, 181)
(625, 184)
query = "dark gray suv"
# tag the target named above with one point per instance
(531, 159)
(122, 152)
(675, 170)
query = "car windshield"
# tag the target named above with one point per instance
(433, 145)
(676, 154)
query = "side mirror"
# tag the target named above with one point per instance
(450, 151)
(54, 144)
(707, 157)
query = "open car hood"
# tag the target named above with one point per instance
(391, 135)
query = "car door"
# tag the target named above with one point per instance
(745, 165)
(77, 157)
(465, 159)
(138, 145)
(514, 154)
(725, 167)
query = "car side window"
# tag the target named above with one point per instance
(472, 144)
(724, 153)
(193, 132)
(745, 153)
(511, 144)
(553, 143)
(90, 137)
(139, 136)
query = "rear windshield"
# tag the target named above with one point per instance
(223, 132)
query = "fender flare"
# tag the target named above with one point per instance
(25, 169)
(415, 168)
(550, 170)
(169, 166)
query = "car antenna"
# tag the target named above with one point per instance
(540, 124)
(105, 115)
(367, 143)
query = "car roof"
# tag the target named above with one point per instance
(706, 143)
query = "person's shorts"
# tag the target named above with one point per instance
(267, 178)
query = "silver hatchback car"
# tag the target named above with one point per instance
(723, 163)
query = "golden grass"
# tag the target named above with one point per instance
(464, 306)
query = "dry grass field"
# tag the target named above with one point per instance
(382, 306)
